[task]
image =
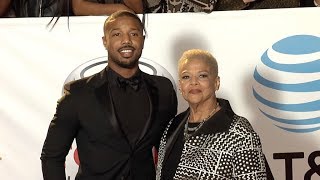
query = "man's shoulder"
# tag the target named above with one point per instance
(81, 84)
(155, 77)
(75, 84)
(158, 80)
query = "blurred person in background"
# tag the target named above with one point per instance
(32, 8)
(207, 6)
(106, 7)
(4, 8)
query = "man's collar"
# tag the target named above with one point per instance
(116, 79)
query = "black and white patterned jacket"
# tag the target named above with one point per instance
(225, 147)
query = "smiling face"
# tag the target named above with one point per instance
(124, 42)
(198, 80)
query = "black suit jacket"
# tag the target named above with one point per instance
(86, 113)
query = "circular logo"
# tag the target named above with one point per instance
(287, 83)
(96, 65)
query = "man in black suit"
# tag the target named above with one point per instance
(116, 116)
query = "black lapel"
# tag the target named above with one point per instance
(103, 96)
(176, 127)
(152, 93)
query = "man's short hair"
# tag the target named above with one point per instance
(122, 13)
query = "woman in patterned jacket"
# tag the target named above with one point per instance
(208, 140)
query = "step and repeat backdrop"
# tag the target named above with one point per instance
(269, 63)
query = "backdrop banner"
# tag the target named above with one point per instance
(269, 62)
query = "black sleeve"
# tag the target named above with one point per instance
(60, 135)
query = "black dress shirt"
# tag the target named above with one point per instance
(131, 106)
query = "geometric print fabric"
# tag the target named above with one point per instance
(234, 154)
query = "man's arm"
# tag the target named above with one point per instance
(61, 133)
(85, 7)
(4, 6)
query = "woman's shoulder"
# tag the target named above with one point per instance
(242, 126)
(243, 130)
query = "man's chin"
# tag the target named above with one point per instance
(128, 64)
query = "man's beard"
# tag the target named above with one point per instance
(125, 64)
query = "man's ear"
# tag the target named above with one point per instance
(144, 37)
(104, 41)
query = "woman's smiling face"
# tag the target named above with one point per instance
(197, 81)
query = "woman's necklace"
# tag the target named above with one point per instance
(189, 131)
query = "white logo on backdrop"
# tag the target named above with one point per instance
(95, 65)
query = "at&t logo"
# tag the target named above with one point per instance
(287, 83)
